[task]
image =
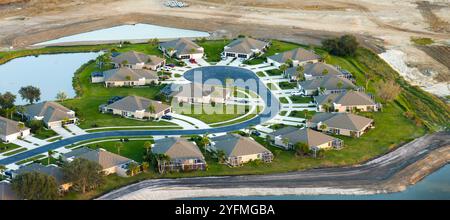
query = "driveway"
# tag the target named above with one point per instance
(75, 129)
(62, 132)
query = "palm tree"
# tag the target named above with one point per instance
(285, 141)
(148, 146)
(221, 156)
(162, 159)
(145, 166)
(2, 168)
(133, 168)
(49, 153)
(119, 146)
(10, 111)
(151, 109)
(20, 109)
(205, 141)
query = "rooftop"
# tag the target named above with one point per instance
(298, 54)
(245, 45)
(348, 98)
(177, 148)
(347, 121)
(128, 74)
(51, 111)
(182, 46)
(137, 103)
(235, 145)
(8, 127)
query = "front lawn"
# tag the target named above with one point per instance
(301, 114)
(301, 99)
(287, 85)
(44, 133)
(284, 100)
(212, 114)
(274, 72)
(133, 149)
(213, 49)
(5, 147)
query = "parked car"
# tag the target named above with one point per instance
(167, 117)
(256, 133)
(192, 61)
(171, 65)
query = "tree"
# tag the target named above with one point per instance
(49, 154)
(145, 166)
(30, 93)
(128, 78)
(151, 109)
(343, 46)
(221, 156)
(85, 175)
(162, 160)
(323, 127)
(2, 168)
(35, 186)
(301, 149)
(61, 96)
(148, 146)
(7, 100)
(285, 141)
(125, 62)
(283, 67)
(204, 141)
(325, 72)
(119, 145)
(388, 91)
(340, 85)
(133, 169)
(21, 110)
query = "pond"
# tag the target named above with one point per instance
(50, 73)
(128, 32)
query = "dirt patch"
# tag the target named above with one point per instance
(436, 23)
(442, 55)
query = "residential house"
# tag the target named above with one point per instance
(326, 85)
(182, 48)
(183, 155)
(244, 48)
(319, 69)
(137, 60)
(239, 150)
(110, 162)
(12, 130)
(288, 137)
(292, 73)
(346, 124)
(298, 57)
(346, 102)
(137, 107)
(51, 113)
(51, 170)
(201, 93)
(6, 192)
(125, 76)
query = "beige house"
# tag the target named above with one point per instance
(183, 155)
(137, 60)
(239, 150)
(319, 69)
(11, 130)
(125, 76)
(244, 48)
(288, 137)
(348, 101)
(137, 107)
(182, 48)
(326, 85)
(51, 170)
(298, 56)
(51, 113)
(110, 162)
(346, 124)
(198, 93)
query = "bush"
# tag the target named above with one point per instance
(343, 46)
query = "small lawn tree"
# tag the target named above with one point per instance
(85, 175)
(61, 96)
(119, 146)
(301, 149)
(35, 186)
(30, 93)
(388, 91)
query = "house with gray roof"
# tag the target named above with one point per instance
(51, 113)
(6, 192)
(201, 93)
(183, 155)
(137, 107)
(182, 48)
(137, 60)
(297, 56)
(244, 48)
(12, 130)
(319, 69)
(240, 150)
(346, 124)
(110, 162)
(125, 76)
(347, 101)
(50, 170)
(288, 137)
(326, 85)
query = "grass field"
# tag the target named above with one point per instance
(5, 147)
(209, 114)
(287, 85)
(301, 99)
(132, 149)
(213, 49)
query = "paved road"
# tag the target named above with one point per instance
(219, 73)
(367, 175)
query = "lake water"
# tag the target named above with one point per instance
(129, 32)
(434, 186)
(50, 73)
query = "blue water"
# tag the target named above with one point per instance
(435, 186)
(129, 32)
(50, 73)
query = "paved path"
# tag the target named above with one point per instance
(75, 129)
(197, 123)
(35, 140)
(62, 132)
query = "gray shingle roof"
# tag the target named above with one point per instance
(177, 148)
(342, 120)
(6, 192)
(298, 54)
(50, 170)
(8, 127)
(122, 73)
(133, 57)
(235, 145)
(51, 111)
(137, 103)
(328, 82)
(304, 135)
(104, 158)
(348, 98)
(77, 152)
(317, 69)
(245, 45)
(182, 46)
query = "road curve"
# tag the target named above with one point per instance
(219, 73)
(367, 175)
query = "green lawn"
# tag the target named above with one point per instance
(301, 114)
(5, 147)
(271, 86)
(213, 49)
(283, 100)
(301, 99)
(9, 153)
(287, 85)
(209, 114)
(133, 149)
(44, 133)
(274, 72)
(35, 158)
(261, 74)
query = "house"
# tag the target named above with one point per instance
(12, 130)
(326, 85)
(346, 102)
(137, 60)
(51, 113)
(292, 73)
(288, 137)
(97, 77)
(346, 124)
(183, 155)
(244, 48)
(6, 192)
(199, 93)
(182, 48)
(319, 69)
(110, 162)
(239, 150)
(137, 107)
(298, 57)
(125, 76)
(51, 170)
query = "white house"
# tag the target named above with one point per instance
(137, 107)
(346, 124)
(137, 60)
(51, 113)
(125, 76)
(298, 57)
(182, 48)
(326, 85)
(11, 130)
(288, 137)
(244, 48)
(346, 102)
